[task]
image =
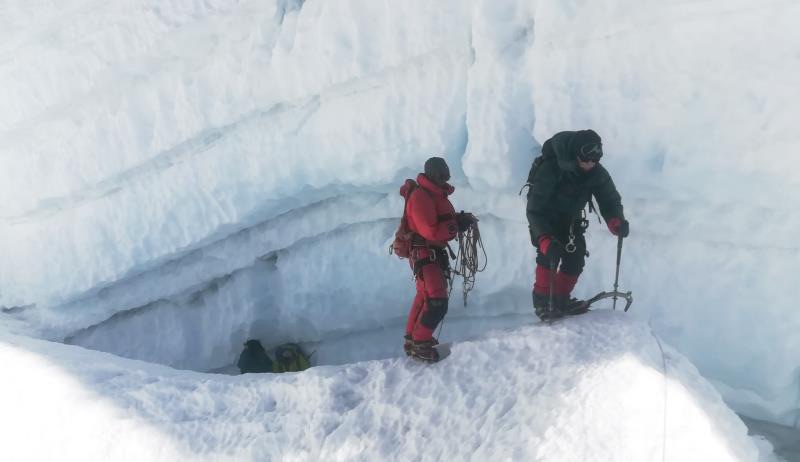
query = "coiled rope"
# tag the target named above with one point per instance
(470, 245)
(467, 262)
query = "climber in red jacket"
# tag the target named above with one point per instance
(432, 219)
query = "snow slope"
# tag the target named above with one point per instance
(597, 387)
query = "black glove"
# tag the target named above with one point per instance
(464, 220)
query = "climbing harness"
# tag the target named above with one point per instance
(571, 247)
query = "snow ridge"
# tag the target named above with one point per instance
(585, 388)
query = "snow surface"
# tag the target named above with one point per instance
(177, 177)
(591, 388)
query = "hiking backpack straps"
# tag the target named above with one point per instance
(403, 237)
(535, 165)
(537, 162)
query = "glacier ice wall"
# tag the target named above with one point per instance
(176, 177)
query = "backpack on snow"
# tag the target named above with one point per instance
(289, 357)
(254, 359)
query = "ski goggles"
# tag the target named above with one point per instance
(591, 152)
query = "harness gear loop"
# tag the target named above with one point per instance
(432, 259)
(592, 209)
(571, 246)
(585, 218)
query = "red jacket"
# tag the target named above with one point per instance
(429, 213)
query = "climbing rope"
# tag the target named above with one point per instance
(666, 387)
(470, 245)
(467, 262)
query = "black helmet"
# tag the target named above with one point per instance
(436, 170)
(587, 145)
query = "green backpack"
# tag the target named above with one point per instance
(289, 357)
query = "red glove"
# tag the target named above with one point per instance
(618, 226)
(544, 243)
(550, 248)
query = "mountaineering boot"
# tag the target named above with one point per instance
(425, 350)
(408, 343)
(541, 306)
(564, 283)
(570, 306)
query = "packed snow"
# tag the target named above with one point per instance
(599, 387)
(177, 177)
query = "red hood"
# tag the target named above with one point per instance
(424, 182)
(408, 185)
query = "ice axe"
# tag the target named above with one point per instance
(554, 254)
(622, 232)
(615, 293)
(550, 304)
(616, 275)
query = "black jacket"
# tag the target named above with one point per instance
(559, 190)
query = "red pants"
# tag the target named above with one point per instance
(430, 303)
(563, 284)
